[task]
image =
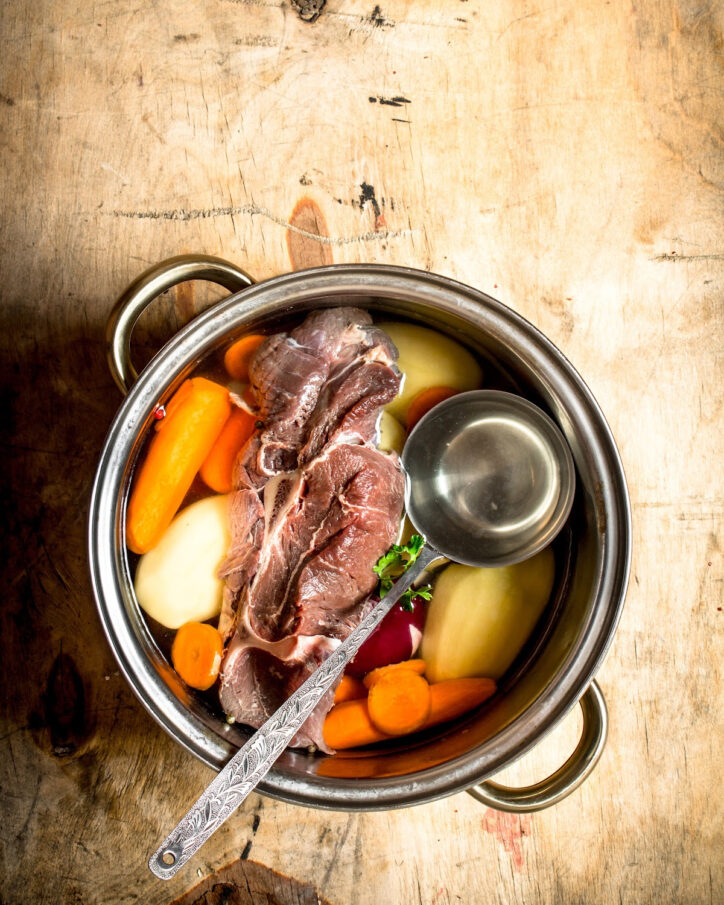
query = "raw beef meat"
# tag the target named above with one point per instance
(317, 505)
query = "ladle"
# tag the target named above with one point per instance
(490, 482)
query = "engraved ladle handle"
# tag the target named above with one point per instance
(253, 761)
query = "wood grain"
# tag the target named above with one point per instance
(566, 158)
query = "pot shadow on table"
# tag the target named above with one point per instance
(75, 742)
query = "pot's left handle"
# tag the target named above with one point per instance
(148, 287)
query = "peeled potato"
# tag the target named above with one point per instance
(479, 619)
(392, 434)
(176, 581)
(428, 359)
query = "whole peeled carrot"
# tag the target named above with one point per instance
(218, 467)
(195, 416)
(349, 725)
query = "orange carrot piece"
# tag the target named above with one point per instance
(194, 419)
(417, 666)
(425, 401)
(399, 702)
(349, 689)
(452, 698)
(218, 467)
(196, 654)
(237, 356)
(350, 725)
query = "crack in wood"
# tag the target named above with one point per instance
(254, 209)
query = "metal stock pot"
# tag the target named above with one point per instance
(556, 669)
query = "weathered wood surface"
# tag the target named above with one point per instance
(565, 157)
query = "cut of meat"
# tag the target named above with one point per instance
(341, 514)
(317, 506)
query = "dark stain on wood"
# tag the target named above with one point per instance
(308, 10)
(250, 883)
(307, 221)
(367, 195)
(378, 19)
(397, 101)
(65, 710)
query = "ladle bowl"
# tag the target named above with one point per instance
(490, 478)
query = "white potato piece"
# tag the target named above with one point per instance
(392, 434)
(429, 359)
(176, 581)
(479, 619)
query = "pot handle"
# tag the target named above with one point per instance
(567, 778)
(149, 286)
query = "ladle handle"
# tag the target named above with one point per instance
(253, 761)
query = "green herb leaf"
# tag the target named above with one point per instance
(410, 594)
(394, 563)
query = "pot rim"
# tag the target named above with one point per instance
(566, 394)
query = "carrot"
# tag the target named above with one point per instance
(194, 419)
(237, 356)
(350, 725)
(399, 702)
(417, 666)
(452, 698)
(196, 654)
(218, 466)
(349, 689)
(425, 401)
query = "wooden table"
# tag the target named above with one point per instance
(564, 157)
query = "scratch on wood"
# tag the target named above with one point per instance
(255, 210)
(338, 846)
(256, 41)
(674, 257)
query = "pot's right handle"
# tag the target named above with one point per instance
(567, 778)
(149, 286)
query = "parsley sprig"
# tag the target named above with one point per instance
(394, 563)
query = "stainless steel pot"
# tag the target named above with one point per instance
(552, 674)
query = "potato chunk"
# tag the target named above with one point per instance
(429, 358)
(392, 434)
(176, 581)
(479, 619)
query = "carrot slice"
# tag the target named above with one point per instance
(399, 702)
(425, 401)
(238, 355)
(194, 419)
(218, 467)
(349, 689)
(452, 698)
(416, 666)
(349, 725)
(196, 654)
